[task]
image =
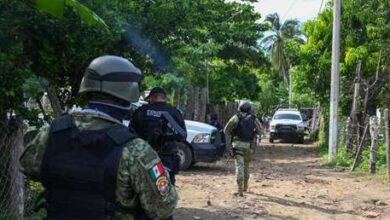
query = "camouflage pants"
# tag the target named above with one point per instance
(243, 157)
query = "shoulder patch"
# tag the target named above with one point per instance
(163, 185)
(157, 171)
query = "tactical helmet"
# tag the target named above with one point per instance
(112, 75)
(245, 106)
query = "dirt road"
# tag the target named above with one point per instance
(287, 182)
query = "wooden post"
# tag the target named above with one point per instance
(313, 119)
(374, 143)
(203, 105)
(196, 103)
(54, 101)
(387, 141)
(351, 127)
(359, 150)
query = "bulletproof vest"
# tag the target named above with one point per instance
(156, 132)
(245, 130)
(79, 170)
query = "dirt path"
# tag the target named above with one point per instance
(287, 182)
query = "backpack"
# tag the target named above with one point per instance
(245, 130)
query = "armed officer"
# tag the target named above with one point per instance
(243, 128)
(93, 167)
(149, 122)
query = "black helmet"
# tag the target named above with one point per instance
(157, 90)
(112, 75)
(245, 106)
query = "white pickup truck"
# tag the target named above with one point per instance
(287, 124)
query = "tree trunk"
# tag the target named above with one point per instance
(351, 127)
(313, 119)
(364, 112)
(189, 109)
(17, 180)
(54, 101)
(359, 150)
(176, 97)
(11, 179)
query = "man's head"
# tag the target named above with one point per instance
(111, 79)
(157, 94)
(245, 107)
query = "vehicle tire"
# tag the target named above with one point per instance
(301, 140)
(271, 140)
(185, 155)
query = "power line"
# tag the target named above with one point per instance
(289, 8)
(319, 11)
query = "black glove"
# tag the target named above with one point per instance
(177, 163)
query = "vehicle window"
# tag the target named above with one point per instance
(287, 116)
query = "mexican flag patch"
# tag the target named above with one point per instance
(156, 171)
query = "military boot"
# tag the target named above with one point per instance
(240, 191)
(245, 186)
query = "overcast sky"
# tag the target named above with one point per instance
(290, 9)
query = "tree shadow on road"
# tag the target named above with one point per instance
(192, 213)
(222, 167)
(279, 151)
(224, 214)
(287, 202)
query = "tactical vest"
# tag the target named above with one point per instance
(245, 130)
(79, 170)
(156, 132)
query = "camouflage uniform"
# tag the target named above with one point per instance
(135, 187)
(243, 151)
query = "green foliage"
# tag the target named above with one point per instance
(362, 39)
(301, 96)
(33, 191)
(53, 7)
(57, 8)
(381, 157)
(342, 158)
(269, 94)
(323, 135)
(314, 68)
(175, 43)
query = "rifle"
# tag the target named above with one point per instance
(174, 126)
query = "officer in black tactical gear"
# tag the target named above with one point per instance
(149, 123)
(90, 164)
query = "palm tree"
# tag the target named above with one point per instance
(274, 43)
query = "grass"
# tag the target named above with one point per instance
(344, 161)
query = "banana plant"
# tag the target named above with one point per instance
(57, 7)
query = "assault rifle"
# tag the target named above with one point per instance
(173, 126)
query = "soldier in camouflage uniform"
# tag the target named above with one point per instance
(93, 167)
(242, 128)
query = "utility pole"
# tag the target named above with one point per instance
(334, 90)
(290, 87)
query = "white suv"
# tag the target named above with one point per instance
(287, 124)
